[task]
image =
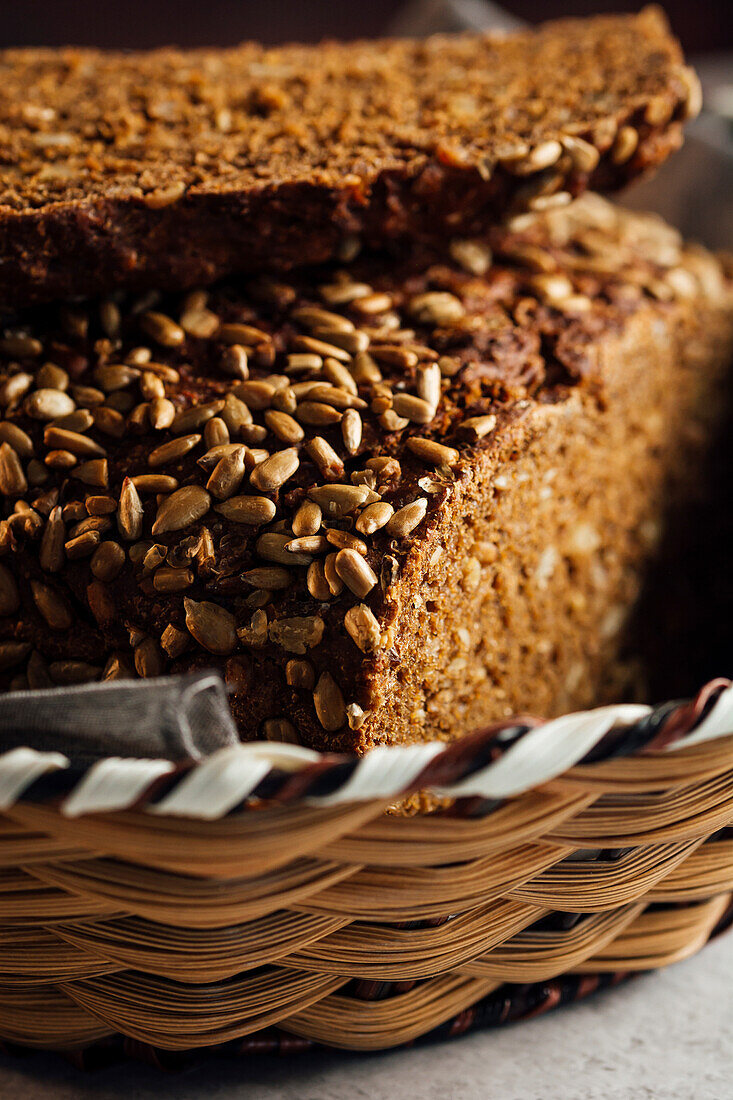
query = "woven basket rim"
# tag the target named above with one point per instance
(505, 759)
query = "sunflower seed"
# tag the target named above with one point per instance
(162, 413)
(112, 377)
(344, 291)
(472, 255)
(234, 361)
(19, 345)
(316, 582)
(191, 419)
(48, 404)
(352, 342)
(215, 432)
(433, 453)
(82, 546)
(320, 347)
(584, 156)
(163, 371)
(625, 145)
(351, 430)
(130, 512)
(12, 653)
(253, 511)
(303, 361)
(318, 414)
(232, 333)
(154, 483)
(74, 442)
(394, 356)
(12, 478)
(94, 473)
(66, 673)
(235, 414)
(407, 518)
(61, 460)
(339, 500)
(336, 396)
(201, 323)
(355, 572)
(307, 544)
(374, 517)
(19, 440)
(15, 387)
(313, 317)
(173, 450)
(329, 703)
(268, 576)
(275, 470)
(213, 456)
(364, 370)
(167, 579)
(255, 394)
(9, 595)
(325, 458)
(174, 641)
(182, 508)
(162, 329)
(372, 304)
(307, 520)
(428, 383)
(51, 606)
(228, 474)
(479, 426)
(284, 426)
(212, 626)
(391, 422)
(363, 628)
(339, 376)
(436, 307)
(413, 408)
(91, 523)
(272, 547)
(344, 540)
(148, 659)
(101, 505)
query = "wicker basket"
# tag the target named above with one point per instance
(174, 908)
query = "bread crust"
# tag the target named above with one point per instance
(390, 501)
(170, 169)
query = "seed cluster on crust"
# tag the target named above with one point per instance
(263, 500)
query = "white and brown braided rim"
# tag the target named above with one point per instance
(262, 900)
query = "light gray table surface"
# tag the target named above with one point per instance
(667, 1036)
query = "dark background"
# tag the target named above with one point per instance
(703, 25)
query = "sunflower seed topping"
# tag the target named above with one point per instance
(211, 625)
(181, 509)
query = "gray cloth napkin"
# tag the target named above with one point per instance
(174, 717)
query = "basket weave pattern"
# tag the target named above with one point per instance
(346, 925)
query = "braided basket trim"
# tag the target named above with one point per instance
(499, 762)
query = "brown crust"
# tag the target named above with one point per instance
(588, 306)
(168, 169)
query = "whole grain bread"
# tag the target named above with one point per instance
(390, 501)
(172, 168)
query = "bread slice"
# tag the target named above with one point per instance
(390, 502)
(171, 168)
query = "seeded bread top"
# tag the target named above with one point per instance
(239, 476)
(175, 167)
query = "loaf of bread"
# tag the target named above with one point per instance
(391, 500)
(167, 169)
